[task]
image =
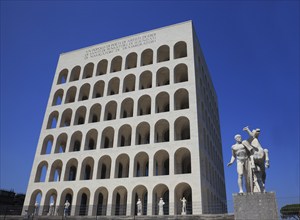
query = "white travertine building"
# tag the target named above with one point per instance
(133, 118)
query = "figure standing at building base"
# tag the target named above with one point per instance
(183, 211)
(139, 207)
(161, 207)
(66, 208)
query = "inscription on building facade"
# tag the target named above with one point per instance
(120, 45)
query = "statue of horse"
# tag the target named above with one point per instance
(259, 160)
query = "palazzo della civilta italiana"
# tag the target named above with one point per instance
(131, 121)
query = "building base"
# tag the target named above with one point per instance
(155, 217)
(255, 206)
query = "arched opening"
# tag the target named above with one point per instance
(50, 203)
(52, 120)
(75, 143)
(66, 118)
(66, 196)
(131, 61)
(110, 111)
(181, 99)
(113, 86)
(62, 77)
(161, 163)
(98, 89)
(127, 108)
(55, 172)
(129, 83)
(183, 190)
(47, 145)
(147, 57)
(87, 168)
(71, 94)
(141, 164)
(180, 50)
(80, 116)
(182, 128)
(95, 113)
(61, 143)
(124, 138)
(163, 53)
(182, 162)
(180, 73)
(58, 96)
(139, 192)
(160, 191)
(75, 73)
(91, 140)
(146, 80)
(162, 102)
(116, 64)
(142, 133)
(119, 201)
(84, 92)
(162, 131)
(122, 166)
(144, 105)
(35, 201)
(104, 167)
(163, 77)
(71, 170)
(83, 199)
(88, 71)
(100, 201)
(107, 138)
(102, 67)
(41, 172)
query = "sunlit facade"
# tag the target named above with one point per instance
(131, 118)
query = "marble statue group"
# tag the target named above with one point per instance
(161, 204)
(251, 161)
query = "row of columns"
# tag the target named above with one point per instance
(152, 105)
(120, 85)
(138, 61)
(130, 202)
(172, 135)
(113, 169)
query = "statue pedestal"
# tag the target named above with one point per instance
(255, 206)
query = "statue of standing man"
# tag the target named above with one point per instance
(161, 207)
(139, 207)
(241, 154)
(183, 210)
(36, 208)
(66, 208)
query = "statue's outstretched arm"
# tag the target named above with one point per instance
(248, 131)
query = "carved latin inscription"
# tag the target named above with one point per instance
(120, 45)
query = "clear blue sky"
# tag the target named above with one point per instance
(251, 48)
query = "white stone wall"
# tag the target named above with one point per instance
(160, 150)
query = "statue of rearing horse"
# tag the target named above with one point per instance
(259, 160)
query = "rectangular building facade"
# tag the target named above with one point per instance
(133, 118)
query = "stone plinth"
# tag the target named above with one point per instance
(255, 206)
